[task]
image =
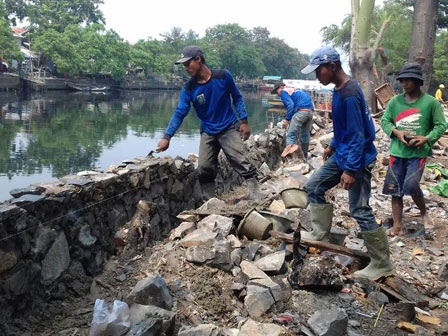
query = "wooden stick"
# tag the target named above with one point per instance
(321, 245)
(407, 291)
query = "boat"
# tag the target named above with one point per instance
(268, 82)
(87, 87)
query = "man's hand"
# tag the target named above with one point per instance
(347, 181)
(244, 131)
(400, 135)
(163, 145)
(285, 123)
(328, 152)
(418, 141)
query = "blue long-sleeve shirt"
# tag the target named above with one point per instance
(212, 102)
(298, 100)
(353, 129)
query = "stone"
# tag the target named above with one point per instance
(27, 199)
(199, 254)
(277, 206)
(443, 271)
(216, 223)
(212, 204)
(200, 330)
(8, 260)
(151, 291)
(31, 190)
(199, 238)
(230, 332)
(150, 327)
(258, 300)
(222, 258)
(252, 271)
(7, 210)
(329, 322)
(236, 256)
(186, 217)
(85, 237)
(378, 297)
(274, 288)
(182, 230)
(234, 241)
(43, 238)
(252, 328)
(354, 323)
(272, 263)
(250, 251)
(56, 260)
(139, 313)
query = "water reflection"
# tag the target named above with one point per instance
(44, 136)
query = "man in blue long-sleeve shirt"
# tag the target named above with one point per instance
(348, 161)
(299, 116)
(211, 92)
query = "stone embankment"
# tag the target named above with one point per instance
(49, 231)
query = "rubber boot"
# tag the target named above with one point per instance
(304, 146)
(321, 216)
(208, 190)
(254, 189)
(378, 249)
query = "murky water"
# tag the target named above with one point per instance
(44, 136)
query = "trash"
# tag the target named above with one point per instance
(400, 244)
(407, 326)
(441, 189)
(428, 319)
(110, 323)
(418, 251)
(438, 170)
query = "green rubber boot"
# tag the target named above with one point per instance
(208, 190)
(254, 189)
(378, 249)
(305, 146)
(321, 216)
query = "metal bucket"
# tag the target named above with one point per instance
(255, 226)
(294, 198)
(280, 223)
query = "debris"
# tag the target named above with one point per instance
(412, 328)
(428, 319)
(272, 263)
(151, 291)
(329, 322)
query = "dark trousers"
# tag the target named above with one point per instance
(233, 147)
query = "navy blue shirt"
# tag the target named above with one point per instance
(298, 100)
(353, 128)
(212, 102)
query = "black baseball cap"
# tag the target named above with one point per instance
(188, 53)
(276, 86)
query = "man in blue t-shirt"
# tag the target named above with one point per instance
(299, 116)
(211, 92)
(348, 161)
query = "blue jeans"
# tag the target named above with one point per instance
(403, 177)
(300, 127)
(329, 175)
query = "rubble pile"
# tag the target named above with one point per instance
(208, 277)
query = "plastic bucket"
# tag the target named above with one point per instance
(294, 198)
(255, 226)
(279, 223)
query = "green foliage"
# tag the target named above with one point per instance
(55, 14)
(441, 57)
(8, 48)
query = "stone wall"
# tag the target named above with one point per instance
(64, 230)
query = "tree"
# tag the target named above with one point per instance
(9, 50)
(423, 37)
(441, 58)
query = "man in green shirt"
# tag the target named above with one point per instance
(414, 121)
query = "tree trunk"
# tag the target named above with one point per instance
(361, 66)
(424, 24)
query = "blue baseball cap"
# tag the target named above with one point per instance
(320, 56)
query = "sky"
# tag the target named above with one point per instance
(297, 22)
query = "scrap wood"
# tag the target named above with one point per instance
(428, 319)
(409, 293)
(321, 245)
(391, 292)
(412, 328)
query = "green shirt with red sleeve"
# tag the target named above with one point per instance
(423, 117)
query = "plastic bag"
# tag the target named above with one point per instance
(110, 323)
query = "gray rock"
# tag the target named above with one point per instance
(8, 260)
(85, 237)
(236, 256)
(216, 223)
(56, 260)
(199, 238)
(7, 210)
(31, 190)
(443, 271)
(151, 291)
(354, 323)
(250, 251)
(230, 332)
(378, 297)
(258, 300)
(43, 238)
(139, 313)
(252, 328)
(27, 199)
(271, 263)
(182, 230)
(200, 330)
(199, 254)
(222, 258)
(212, 204)
(234, 241)
(150, 327)
(329, 322)
(274, 288)
(252, 271)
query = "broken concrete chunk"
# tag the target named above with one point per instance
(200, 330)
(56, 260)
(182, 230)
(258, 300)
(151, 291)
(216, 223)
(272, 263)
(252, 328)
(329, 322)
(199, 238)
(199, 254)
(274, 288)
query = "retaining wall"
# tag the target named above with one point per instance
(52, 235)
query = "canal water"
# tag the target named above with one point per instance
(44, 136)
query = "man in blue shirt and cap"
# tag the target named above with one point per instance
(348, 161)
(212, 92)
